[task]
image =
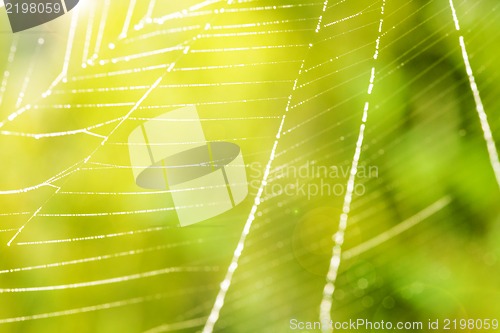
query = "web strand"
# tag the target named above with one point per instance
(226, 283)
(483, 118)
(326, 303)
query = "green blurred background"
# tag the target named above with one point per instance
(89, 223)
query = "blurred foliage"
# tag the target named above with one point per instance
(423, 137)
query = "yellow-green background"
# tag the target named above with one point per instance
(423, 134)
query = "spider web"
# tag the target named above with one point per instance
(292, 83)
